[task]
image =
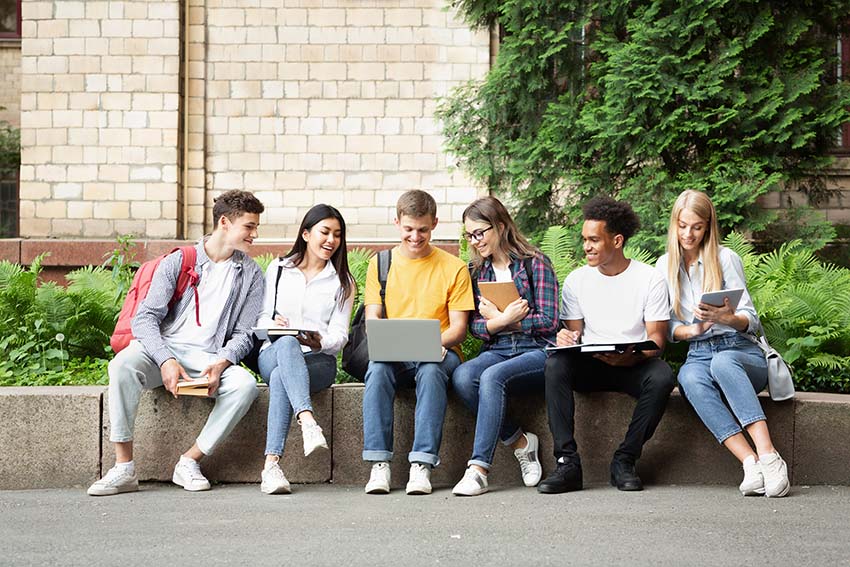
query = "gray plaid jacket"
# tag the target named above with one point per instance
(234, 339)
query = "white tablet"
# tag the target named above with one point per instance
(716, 298)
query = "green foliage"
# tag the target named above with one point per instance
(263, 260)
(645, 99)
(46, 325)
(804, 306)
(803, 303)
(122, 266)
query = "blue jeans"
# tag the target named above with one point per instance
(292, 376)
(431, 381)
(512, 363)
(726, 367)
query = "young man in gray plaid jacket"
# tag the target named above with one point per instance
(203, 336)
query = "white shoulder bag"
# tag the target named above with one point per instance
(779, 381)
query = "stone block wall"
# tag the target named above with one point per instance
(99, 118)
(333, 101)
(836, 209)
(300, 101)
(10, 85)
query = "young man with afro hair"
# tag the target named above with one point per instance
(610, 300)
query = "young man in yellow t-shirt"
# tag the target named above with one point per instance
(424, 282)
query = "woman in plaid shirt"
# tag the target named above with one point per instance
(512, 356)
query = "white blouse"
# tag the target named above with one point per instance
(312, 305)
(690, 292)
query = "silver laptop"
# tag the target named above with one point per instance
(404, 340)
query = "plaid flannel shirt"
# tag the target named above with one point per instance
(542, 320)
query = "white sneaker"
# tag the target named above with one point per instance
(753, 483)
(529, 462)
(273, 480)
(775, 473)
(313, 438)
(379, 479)
(187, 473)
(420, 479)
(473, 483)
(115, 481)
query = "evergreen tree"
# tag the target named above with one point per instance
(642, 100)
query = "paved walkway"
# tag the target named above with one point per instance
(327, 525)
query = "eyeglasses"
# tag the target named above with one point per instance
(476, 235)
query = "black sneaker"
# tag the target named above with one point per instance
(624, 477)
(565, 478)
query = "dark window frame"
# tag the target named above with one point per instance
(17, 33)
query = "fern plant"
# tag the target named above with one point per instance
(804, 306)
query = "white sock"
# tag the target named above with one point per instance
(186, 460)
(129, 467)
(750, 460)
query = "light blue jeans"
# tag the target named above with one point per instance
(134, 370)
(728, 369)
(513, 363)
(292, 376)
(431, 381)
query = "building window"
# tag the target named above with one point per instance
(9, 207)
(10, 19)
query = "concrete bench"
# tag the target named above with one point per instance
(58, 436)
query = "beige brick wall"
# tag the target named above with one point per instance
(10, 82)
(835, 210)
(332, 101)
(99, 118)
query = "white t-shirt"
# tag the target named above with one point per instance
(615, 308)
(503, 275)
(213, 292)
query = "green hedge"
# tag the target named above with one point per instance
(60, 336)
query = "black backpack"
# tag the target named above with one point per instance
(355, 354)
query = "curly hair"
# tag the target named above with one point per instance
(619, 216)
(235, 203)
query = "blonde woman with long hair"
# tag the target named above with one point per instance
(724, 370)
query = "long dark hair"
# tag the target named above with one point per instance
(339, 259)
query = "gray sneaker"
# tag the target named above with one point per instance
(115, 481)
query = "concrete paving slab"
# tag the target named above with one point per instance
(321, 525)
(49, 437)
(166, 427)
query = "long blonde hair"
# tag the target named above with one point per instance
(494, 213)
(709, 249)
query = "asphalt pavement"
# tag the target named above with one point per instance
(340, 525)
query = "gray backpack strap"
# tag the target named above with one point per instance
(385, 260)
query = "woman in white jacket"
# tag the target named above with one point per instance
(310, 289)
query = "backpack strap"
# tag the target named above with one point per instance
(187, 277)
(385, 260)
(529, 273)
(276, 283)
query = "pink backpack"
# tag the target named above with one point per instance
(122, 335)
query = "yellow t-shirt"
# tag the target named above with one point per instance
(422, 288)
